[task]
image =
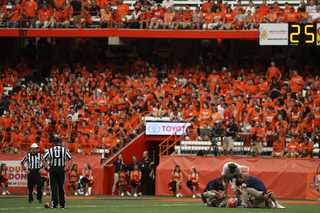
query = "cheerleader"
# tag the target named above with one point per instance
(193, 183)
(45, 181)
(3, 179)
(175, 182)
(74, 177)
(87, 179)
(122, 184)
(135, 177)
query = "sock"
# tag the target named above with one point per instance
(276, 203)
(273, 203)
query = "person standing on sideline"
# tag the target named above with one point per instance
(231, 131)
(57, 156)
(130, 167)
(147, 169)
(33, 169)
(229, 172)
(116, 163)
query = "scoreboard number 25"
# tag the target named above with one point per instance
(302, 34)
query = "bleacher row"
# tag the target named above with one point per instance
(193, 5)
(193, 147)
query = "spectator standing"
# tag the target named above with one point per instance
(132, 164)
(257, 138)
(30, 11)
(117, 164)
(76, 6)
(122, 10)
(296, 83)
(264, 9)
(206, 5)
(228, 141)
(147, 170)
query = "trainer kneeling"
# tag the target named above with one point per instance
(214, 192)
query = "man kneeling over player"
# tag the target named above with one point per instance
(255, 187)
(214, 192)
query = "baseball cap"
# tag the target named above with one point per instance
(187, 6)
(291, 7)
(257, 106)
(34, 145)
(314, 89)
(137, 7)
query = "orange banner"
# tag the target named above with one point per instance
(19, 177)
(311, 189)
(286, 177)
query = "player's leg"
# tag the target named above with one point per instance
(273, 198)
(30, 186)
(61, 182)
(39, 184)
(53, 187)
(237, 193)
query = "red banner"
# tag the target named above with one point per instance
(286, 177)
(18, 178)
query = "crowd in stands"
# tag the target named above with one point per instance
(87, 101)
(212, 15)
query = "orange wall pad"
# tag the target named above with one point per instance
(17, 176)
(286, 177)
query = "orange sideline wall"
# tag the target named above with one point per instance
(288, 178)
(94, 161)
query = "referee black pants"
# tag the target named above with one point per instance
(57, 178)
(34, 175)
(145, 180)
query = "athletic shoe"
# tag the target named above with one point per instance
(64, 207)
(140, 194)
(180, 195)
(199, 195)
(135, 195)
(203, 199)
(44, 194)
(122, 194)
(3, 193)
(30, 201)
(34, 192)
(318, 199)
(268, 204)
(87, 194)
(280, 207)
(128, 193)
(40, 201)
(53, 207)
(76, 193)
(212, 205)
(8, 193)
(193, 196)
(241, 206)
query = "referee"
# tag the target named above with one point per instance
(57, 156)
(33, 160)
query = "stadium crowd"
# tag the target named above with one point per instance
(212, 15)
(94, 102)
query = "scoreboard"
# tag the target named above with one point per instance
(292, 34)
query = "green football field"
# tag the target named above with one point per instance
(18, 203)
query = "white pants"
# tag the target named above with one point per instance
(45, 23)
(65, 23)
(210, 26)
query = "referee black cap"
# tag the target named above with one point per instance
(56, 140)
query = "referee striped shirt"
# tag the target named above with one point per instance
(34, 161)
(57, 156)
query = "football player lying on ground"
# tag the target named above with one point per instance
(255, 187)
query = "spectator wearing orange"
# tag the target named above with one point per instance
(43, 15)
(257, 140)
(292, 16)
(87, 145)
(264, 9)
(96, 140)
(87, 18)
(273, 71)
(206, 5)
(281, 16)
(278, 148)
(292, 148)
(276, 7)
(30, 12)
(257, 18)
(208, 20)
(6, 121)
(122, 10)
(7, 141)
(296, 83)
(25, 142)
(271, 17)
(228, 20)
(106, 19)
(306, 145)
(217, 18)
(13, 16)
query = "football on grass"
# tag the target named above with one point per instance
(47, 205)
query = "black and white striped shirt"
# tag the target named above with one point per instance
(57, 156)
(34, 161)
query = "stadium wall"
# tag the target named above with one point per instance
(18, 178)
(288, 178)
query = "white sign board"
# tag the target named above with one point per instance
(274, 34)
(16, 176)
(166, 128)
